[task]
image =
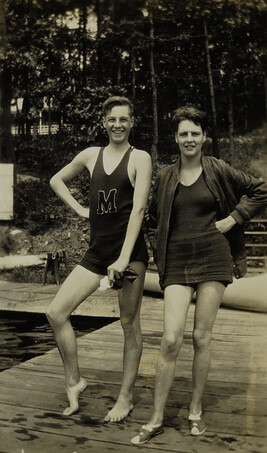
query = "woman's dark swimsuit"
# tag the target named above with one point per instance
(196, 251)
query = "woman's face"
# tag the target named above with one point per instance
(190, 138)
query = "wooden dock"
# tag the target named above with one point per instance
(35, 298)
(32, 394)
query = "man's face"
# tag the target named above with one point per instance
(190, 138)
(118, 124)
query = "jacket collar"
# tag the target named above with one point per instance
(176, 168)
(177, 165)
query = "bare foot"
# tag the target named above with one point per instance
(73, 393)
(120, 411)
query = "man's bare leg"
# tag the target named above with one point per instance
(78, 285)
(130, 298)
(73, 393)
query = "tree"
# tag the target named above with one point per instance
(154, 146)
(6, 147)
(54, 53)
(211, 91)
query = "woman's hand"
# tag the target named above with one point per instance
(83, 212)
(115, 270)
(226, 224)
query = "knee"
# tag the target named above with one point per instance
(54, 317)
(128, 324)
(201, 339)
(51, 316)
(171, 345)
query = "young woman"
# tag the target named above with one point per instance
(198, 207)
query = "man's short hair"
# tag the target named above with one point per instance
(191, 113)
(114, 101)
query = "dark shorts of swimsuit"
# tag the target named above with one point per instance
(194, 285)
(190, 260)
(100, 269)
(99, 264)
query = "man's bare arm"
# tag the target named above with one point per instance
(59, 180)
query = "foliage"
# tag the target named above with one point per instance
(74, 54)
(36, 208)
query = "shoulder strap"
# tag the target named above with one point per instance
(99, 159)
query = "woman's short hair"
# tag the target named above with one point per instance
(189, 113)
(114, 101)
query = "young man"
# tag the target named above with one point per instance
(120, 184)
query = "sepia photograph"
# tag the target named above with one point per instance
(133, 214)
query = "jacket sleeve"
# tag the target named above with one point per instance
(250, 192)
(151, 225)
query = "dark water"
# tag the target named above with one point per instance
(27, 335)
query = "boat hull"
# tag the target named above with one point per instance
(248, 293)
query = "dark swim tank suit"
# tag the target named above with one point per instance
(196, 250)
(111, 202)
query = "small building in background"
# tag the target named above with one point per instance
(6, 191)
(45, 120)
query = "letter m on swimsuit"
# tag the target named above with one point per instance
(106, 204)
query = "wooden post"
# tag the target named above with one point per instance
(53, 260)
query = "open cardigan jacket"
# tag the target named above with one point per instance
(235, 193)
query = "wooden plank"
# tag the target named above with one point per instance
(251, 232)
(89, 422)
(258, 220)
(90, 354)
(148, 367)
(35, 298)
(32, 394)
(90, 426)
(141, 417)
(31, 441)
(10, 262)
(25, 378)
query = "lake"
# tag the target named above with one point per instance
(27, 335)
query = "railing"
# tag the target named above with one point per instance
(256, 245)
(40, 129)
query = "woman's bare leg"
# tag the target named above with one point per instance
(177, 299)
(209, 296)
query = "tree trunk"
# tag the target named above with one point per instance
(154, 148)
(49, 116)
(133, 70)
(265, 92)
(6, 148)
(84, 44)
(99, 19)
(230, 118)
(211, 91)
(35, 122)
(119, 60)
(26, 111)
(245, 121)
